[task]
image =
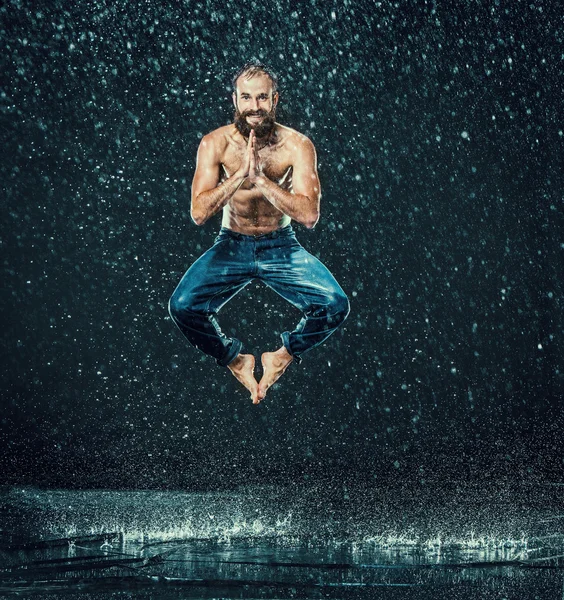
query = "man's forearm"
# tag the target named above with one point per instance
(297, 206)
(208, 203)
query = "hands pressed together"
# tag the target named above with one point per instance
(251, 167)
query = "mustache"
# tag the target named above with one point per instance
(255, 113)
(262, 129)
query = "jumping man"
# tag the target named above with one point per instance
(263, 175)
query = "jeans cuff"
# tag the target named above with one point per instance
(233, 352)
(286, 341)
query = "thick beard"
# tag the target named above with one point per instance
(262, 130)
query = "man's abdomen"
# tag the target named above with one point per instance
(250, 220)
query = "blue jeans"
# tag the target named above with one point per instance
(279, 261)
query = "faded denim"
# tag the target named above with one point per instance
(279, 261)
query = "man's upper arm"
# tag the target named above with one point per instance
(305, 180)
(206, 176)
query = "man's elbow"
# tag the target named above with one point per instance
(197, 215)
(311, 221)
(197, 218)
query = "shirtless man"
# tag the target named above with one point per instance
(263, 175)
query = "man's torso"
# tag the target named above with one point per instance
(248, 211)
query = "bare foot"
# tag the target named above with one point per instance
(243, 368)
(273, 364)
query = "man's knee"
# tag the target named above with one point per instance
(339, 308)
(174, 307)
(180, 307)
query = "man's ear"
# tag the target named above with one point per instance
(234, 96)
(275, 98)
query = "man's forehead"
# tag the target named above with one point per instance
(257, 83)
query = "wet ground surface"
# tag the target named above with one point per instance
(463, 542)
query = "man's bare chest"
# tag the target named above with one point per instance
(274, 163)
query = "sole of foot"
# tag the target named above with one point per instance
(243, 369)
(273, 364)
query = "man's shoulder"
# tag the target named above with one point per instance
(298, 143)
(291, 135)
(220, 137)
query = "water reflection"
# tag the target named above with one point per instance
(174, 544)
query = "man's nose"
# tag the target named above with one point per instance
(254, 104)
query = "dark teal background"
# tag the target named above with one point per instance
(438, 128)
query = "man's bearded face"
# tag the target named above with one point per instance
(263, 126)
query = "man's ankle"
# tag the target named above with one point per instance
(236, 362)
(283, 352)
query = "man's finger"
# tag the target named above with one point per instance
(255, 149)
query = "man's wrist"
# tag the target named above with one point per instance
(258, 179)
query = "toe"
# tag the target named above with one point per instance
(262, 388)
(257, 396)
